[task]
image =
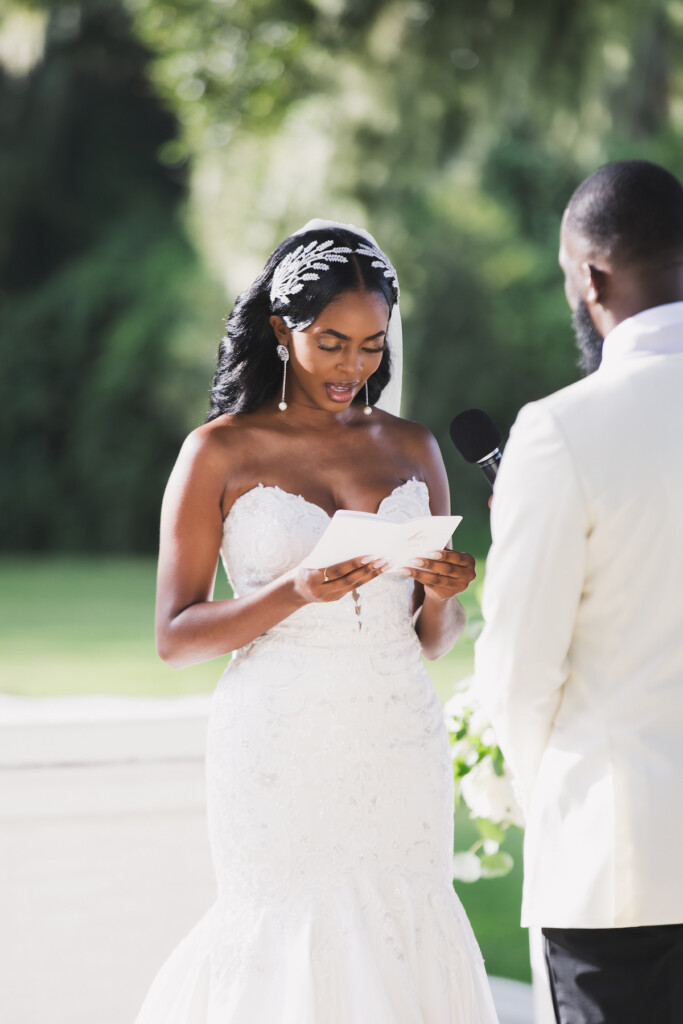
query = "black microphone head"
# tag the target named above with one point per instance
(475, 435)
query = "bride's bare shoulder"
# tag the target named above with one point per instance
(411, 436)
(222, 445)
(227, 433)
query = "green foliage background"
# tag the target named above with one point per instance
(152, 152)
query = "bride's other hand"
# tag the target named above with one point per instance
(443, 574)
(335, 581)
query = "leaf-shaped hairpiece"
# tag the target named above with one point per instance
(301, 264)
(380, 261)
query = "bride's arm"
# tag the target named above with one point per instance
(439, 616)
(439, 624)
(190, 627)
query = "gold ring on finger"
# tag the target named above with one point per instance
(325, 576)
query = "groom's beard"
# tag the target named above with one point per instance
(588, 338)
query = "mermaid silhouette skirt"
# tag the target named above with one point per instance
(330, 808)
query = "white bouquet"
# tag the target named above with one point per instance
(483, 783)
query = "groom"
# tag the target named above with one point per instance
(581, 660)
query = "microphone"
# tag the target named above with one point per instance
(478, 439)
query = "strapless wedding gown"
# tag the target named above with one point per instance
(330, 807)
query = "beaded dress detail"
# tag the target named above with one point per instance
(330, 807)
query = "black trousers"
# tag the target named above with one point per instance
(616, 975)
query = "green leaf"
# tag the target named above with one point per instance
(496, 865)
(489, 830)
(498, 762)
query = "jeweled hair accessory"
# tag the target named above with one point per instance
(390, 399)
(299, 266)
(380, 261)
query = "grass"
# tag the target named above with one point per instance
(75, 626)
(86, 626)
(79, 626)
(493, 907)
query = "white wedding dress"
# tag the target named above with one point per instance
(330, 805)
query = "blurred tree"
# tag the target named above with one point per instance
(455, 132)
(95, 272)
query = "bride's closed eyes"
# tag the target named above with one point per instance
(335, 348)
(374, 343)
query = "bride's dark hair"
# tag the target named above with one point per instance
(248, 371)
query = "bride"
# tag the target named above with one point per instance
(330, 788)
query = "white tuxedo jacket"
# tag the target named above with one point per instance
(580, 663)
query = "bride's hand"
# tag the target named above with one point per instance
(443, 574)
(337, 580)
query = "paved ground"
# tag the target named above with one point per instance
(514, 1001)
(105, 866)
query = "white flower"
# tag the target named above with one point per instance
(457, 705)
(466, 866)
(479, 722)
(460, 750)
(451, 723)
(488, 737)
(489, 795)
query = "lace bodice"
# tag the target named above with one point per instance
(269, 531)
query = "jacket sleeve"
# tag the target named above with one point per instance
(532, 589)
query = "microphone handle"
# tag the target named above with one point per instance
(489, 466)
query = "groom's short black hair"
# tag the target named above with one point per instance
(630, 211)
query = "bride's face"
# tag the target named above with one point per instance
(330, 360)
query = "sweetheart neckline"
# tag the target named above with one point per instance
(313, 504)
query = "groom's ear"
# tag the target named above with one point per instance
(594, 283)
(280, 330)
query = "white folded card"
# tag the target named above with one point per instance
(352, 534)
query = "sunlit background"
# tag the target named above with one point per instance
(153, 153)
(151, 156)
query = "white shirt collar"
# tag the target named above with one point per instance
(655, 331)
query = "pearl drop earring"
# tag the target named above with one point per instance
(283, 354)
(368, 408)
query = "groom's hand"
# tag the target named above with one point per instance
(335, 581)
